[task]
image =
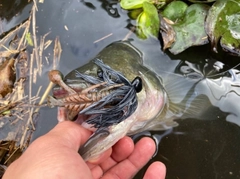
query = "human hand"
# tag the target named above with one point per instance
(55, 155)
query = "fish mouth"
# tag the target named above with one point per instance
(109, 99)
(76, 84)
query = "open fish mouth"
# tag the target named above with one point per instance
(106, 99)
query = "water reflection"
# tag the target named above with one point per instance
(88, 4)
(110, 7)
(205, 148)
(222, 86)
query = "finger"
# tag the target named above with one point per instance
(156, 170)
(121, 150)
(69, 134)
(143, 151)
(96, 170)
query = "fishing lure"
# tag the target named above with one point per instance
(109, 100)
(83, 99)
(117, 105)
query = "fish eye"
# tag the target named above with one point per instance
(100, 73)
(137, 83)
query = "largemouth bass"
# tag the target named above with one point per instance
(150, 112)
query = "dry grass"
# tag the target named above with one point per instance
(16, 118)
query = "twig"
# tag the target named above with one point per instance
(56, 58)
(20, 90)
(35, 71)
(26, 128)
(30, 101)
(11, 51)
(8, 107)
(41, 46)
(35, 5)
(11, 155)
(17, 119)
(27, 23)
(44, 96)
(35, 37)
(96, 41)
(129, 33)
(4, 148)
(56, 52)
(47, 44)
(7, 37)
(30, 78)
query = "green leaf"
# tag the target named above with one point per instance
(29, 39)
(135, 4)
(148, 21)
(190, 30)
(133, 14)
(131, 4)
(223, 23)
(175, 10)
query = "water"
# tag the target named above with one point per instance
(201, 149)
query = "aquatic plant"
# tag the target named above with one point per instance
(185, 24)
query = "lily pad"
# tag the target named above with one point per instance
(223, 23)
(175, 10)
(148, 21)
(190, 30)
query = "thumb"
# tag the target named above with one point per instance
(69, 134)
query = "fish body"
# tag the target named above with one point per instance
(152, 98)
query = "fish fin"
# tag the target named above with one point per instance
(185, 99)
(163, 126)
(52, 102)
(99, 134)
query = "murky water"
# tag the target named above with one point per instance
(206, 148)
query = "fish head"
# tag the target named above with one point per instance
(151, 97)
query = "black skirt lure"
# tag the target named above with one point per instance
(119, 104)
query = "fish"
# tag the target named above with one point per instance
(153, 110)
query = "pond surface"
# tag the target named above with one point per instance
(207, 147)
